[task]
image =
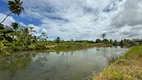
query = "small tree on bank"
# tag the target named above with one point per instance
(98, 41)
(58, 40)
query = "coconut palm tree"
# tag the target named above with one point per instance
(15, 7)
(103, 35)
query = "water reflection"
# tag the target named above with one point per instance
(69, 65)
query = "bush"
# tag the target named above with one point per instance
(1, 46)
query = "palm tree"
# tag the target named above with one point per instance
(103, 35)
(58, 40)
(15, 7)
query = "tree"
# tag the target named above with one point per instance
(71, 40)
(121, 43)
(4, 30)
(103, 35)
(57, 40)
(1, 26)
(31, 30)
(110, 41)
(15, 26)
(43, 37)
(15, 7)
(115, 42)
(98, 40)
(25, 36)
(105, 41)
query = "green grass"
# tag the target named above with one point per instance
(135, 52)
(128, 67)
(60, 46)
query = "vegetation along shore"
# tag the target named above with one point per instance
(128, 67)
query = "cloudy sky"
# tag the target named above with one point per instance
(80, 19)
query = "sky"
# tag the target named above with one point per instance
(80, 19)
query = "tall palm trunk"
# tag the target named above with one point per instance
(6, 17)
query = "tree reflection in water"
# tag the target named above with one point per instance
(14, 62)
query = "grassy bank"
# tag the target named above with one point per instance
(128, 67)
(54, 46)
(61, 46)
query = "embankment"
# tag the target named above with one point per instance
(128, 67)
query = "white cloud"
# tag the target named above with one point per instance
(127, 21)
(86, 19)
(129, 14)
(77, 17)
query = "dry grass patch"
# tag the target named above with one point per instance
(128, 67)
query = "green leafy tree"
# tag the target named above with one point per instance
(24, 36)
(122, 43)
(98, 40)
(105, 41)
(71, 40)
(57, 40)
(15, 26)
(110, 41)
(43, 37)
(115, 42)
(15, 7)
(4, 31)
(1, 26)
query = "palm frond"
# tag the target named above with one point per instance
(16, 6)
(17, 1)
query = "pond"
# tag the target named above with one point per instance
(71, 65)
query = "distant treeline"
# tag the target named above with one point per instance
(124, 42)
(19, 37)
